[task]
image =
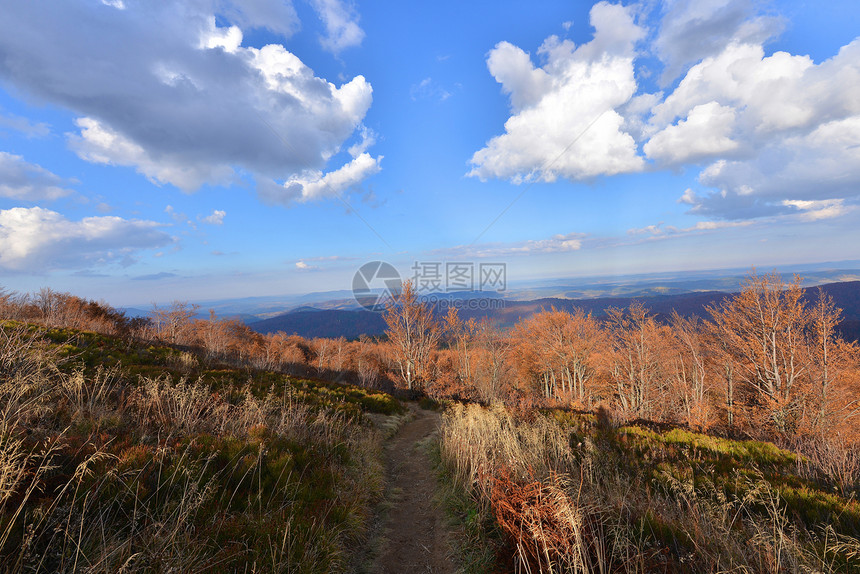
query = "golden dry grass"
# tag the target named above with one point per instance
(598, 500)
(101, 471)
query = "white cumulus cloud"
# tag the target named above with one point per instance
(821, 165)
(564, 121)
(159, 87)
(692, 30)
(820, 209)
(316, 184)
(216, 217)
(37, 239)
(705, 133)
(771, 129)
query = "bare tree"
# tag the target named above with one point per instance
(637, 349)
(172, 323)
(413, 332)
(764, 330)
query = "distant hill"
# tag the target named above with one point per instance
(312, 322)
(331, 323)
(662, 305)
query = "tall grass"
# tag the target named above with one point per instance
(583, 497)
(104, 472)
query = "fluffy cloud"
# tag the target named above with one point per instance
(26, 181)
(38, 239)
(341, 24)
(692, 30)
(824, 163)
(705, 133)
(216, 218)
(368, 139)
(817, 210)
(820, 166)
(161, 88)
(564, 121)
(774, 93)
(778, 134)
(316, 185)
(97, 143)
(775, 134)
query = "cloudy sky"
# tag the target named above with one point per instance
(211, 149)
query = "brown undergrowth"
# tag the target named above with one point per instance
(573, 496)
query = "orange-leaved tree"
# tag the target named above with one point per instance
(638, 365)
(693, 371)
(461, 334)
(414, 333)
(832, 403)
(559, 349)
(764, 329)
(172, 324)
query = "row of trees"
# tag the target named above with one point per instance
(55, 309)
(764, 360)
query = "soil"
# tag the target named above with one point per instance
(415, 538)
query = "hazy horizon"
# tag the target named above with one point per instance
(527, 289)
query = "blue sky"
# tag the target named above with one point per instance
(202, 150)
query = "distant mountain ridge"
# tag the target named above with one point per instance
(329, 323)
(313, 322)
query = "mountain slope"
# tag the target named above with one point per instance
(311, 322)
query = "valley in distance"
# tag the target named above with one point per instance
(337, 314)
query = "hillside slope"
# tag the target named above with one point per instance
(129, 456)
(329, 323)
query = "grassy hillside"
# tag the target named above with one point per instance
(121, 456)
(557, 491)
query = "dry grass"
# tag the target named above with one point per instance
(588, 499)
(100, 472)
(834, 457)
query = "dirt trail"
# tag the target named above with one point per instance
(415, 534)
